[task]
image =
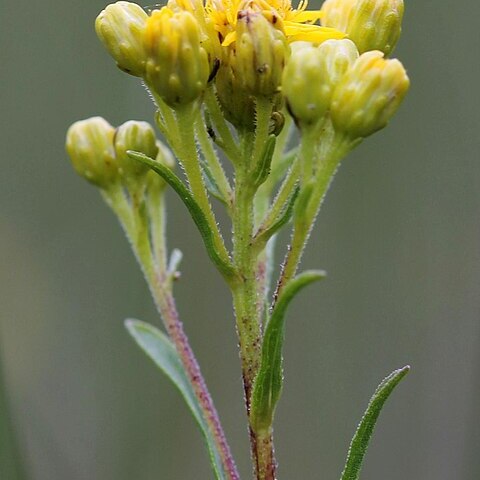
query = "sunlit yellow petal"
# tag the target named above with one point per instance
(229, 39)
(310, 33)
(307, 16)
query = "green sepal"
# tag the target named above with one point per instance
(264, 235)
(195, 210)
(262, 169)
(158, 347)
(267, 387)
(361, 439)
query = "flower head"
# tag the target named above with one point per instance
(120, 28)
(295, 23)
(371, 24)
(368, 95)
(178, 66)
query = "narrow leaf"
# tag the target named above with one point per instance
(361, 439)
(262, 237)
(268, 383)
(211, 183)
(158, 347)
(195, 210)
(262, 170)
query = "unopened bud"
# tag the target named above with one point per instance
(120, 28)
(371, 24)
(258, 57)
(90, 146)
(311, 76)
(177, 67)
(368, 95)
(136, 136)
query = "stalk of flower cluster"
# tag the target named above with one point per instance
(159, 280)
(246, 291)
(314, 191)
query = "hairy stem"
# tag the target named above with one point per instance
(305, 220)
(246, 290)
(158, 278)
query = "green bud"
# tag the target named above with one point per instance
(178, 66)
(311, 76)
(90, 146)
(368, 95)
(136, 136)
(371, 24)
(120, 28)
(238, 105)
(259, 54)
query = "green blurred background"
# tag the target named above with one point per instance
(399, 235)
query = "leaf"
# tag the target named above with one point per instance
(158, 347)
(361, 439)
(211, 184)
(195, 210)
(267, 387)
(262, 237)
(262, 170)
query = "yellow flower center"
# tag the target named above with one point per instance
(296, 23)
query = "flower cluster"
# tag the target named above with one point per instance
(230, 80)
(265, 48)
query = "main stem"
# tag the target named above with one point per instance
(247, 318)
(246, 289)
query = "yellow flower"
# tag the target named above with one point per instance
(296, 23)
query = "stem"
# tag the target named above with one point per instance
(265, 463)
(305, 220)
(246, 291)
(228, 142)
(188, 155)
(158, 279)
(213, 162)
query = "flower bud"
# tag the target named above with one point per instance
(136, 136)
(90, 147)
(120, 28)
(368, 95)
(311, 76)
(371, 24)
(258, 57)
(177, 66)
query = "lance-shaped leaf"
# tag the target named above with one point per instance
(265, 233)
(262, 170)
(158, 347)
(361, 439)
(268, 383)
(223, 264)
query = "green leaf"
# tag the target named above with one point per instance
(158, 347)
(195, 210)
(211, 183)
(262, 170)
(262, 237)
(361, 439)
(268, 383)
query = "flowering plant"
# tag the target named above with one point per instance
(231, 81)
